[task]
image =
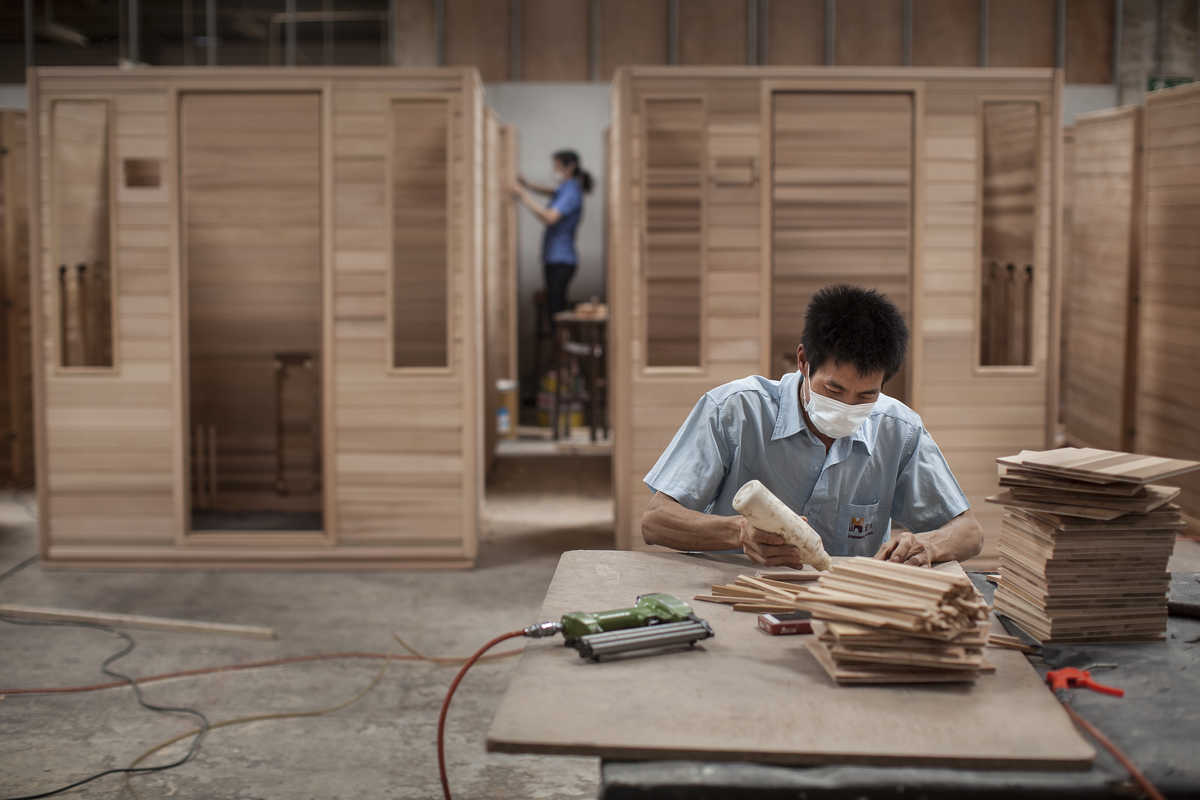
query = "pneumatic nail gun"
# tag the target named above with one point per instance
(656, 621)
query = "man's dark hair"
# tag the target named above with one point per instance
(855, 326)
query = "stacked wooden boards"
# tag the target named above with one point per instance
(765, 194)
(892, 623)
(1085, 542)
(879, 622)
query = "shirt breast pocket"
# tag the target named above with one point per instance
(862, 528)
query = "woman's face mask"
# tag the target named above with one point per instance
(832, 417)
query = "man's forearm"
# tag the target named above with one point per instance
(958, 540)
(669, 524)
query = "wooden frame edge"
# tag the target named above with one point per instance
(36, 311)
(1054, 331)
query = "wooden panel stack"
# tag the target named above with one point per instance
(879, 622)
(892, 623)
(1085, 543)
(1101, 337)
(16, 367)
(1168, 398)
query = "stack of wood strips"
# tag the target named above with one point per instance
(879, 622)
(889, 623)
(1085, 542)
(765, 592)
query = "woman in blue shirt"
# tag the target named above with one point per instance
(561, 217)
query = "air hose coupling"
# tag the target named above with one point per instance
(541, 630)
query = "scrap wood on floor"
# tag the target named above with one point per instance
(879, 622)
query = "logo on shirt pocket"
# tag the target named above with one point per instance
(861, 524)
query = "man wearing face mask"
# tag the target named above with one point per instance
(827, 442)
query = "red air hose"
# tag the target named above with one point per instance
(1141, 780)
(441, 733)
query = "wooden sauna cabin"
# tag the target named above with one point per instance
(258, 315)
(16, 367)
(740, 191)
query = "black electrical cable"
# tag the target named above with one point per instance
(130, 644)
(14, 570)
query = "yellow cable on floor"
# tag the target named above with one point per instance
(313, 713)
(260, 718)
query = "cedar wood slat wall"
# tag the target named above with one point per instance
(16, 396)
(974, 413)
(842, 206)
(1101, 280)
(1168, 380)
(403, 468)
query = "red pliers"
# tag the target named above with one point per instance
(1073, 678)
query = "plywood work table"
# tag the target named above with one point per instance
(1155, 723)
(746, 696)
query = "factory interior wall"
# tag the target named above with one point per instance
(547, 117)
(1081, 98)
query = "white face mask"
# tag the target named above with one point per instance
(832, 417)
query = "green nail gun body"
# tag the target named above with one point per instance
(655, 621)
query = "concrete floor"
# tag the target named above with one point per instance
(381, 747)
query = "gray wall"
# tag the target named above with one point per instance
(1081, 98)
(549, 117)
(13, 95)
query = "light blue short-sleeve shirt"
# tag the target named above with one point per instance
(890, 468)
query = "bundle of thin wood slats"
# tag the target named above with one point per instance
(878, 622)
(1085, 542)
(881, 622)
(764, 592)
